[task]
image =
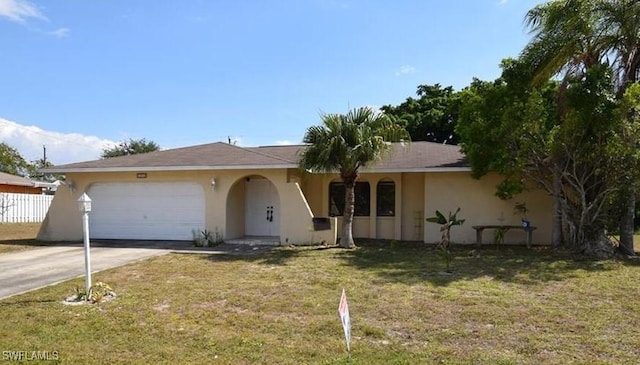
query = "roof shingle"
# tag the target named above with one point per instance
(8, 179)
(219, 155)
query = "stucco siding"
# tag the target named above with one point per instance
(386, 228)
(417, 196)
(313, 188)
(235, 211)
(413, 206)
(479, 206)
(316, 188)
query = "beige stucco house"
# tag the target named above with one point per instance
(259, 191)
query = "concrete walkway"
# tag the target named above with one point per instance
(33, 269)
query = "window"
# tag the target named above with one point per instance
(386, 199)
(362, 199)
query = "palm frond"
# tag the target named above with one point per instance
(346, 142)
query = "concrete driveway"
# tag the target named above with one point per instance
(33, 269)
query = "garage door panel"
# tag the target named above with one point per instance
(155, 211)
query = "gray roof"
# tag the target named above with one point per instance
(415, 156)
(8, 179)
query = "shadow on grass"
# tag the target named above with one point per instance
(265, 256)
(9, 302)
(412, 263)
(24, 242)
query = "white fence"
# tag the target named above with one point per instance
(22, 208)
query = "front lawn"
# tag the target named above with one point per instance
(18, 236)
(507, 306)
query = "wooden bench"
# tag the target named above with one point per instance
(505, 229)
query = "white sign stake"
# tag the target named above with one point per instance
(343, 309)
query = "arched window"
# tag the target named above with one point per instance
(386, 199)
(362, 199)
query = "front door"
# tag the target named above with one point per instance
(262, 208)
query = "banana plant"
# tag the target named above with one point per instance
(445, 227)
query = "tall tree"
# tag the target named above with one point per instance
(431, 117)
(344, 143)
(34, 170)
(563, 44)
(516, 130)
(12, 162)
(584, 43)
(573, 36)
(130, 147)
(564, 39)
(621, 26)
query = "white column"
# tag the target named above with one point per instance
(87, 254)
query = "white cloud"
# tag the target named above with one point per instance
(503, 2)
(405, 70)
(60, 32)
(19, 10)
(62, 148)
(284, 142)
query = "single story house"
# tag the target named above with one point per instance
(260, 191)
(21, 185)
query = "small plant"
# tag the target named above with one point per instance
(498, 236)
(217, 237)
(446, 223)
(446, 255)
(97, 293)
(393, 244)
(207, 238)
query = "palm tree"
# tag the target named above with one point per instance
(563, 42)
(621, 24)
(565, 38)
(572, 36)
(344, 143)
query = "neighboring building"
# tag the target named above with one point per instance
(260, 191)
(22, 185)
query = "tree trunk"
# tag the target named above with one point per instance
(556, 226)
(627, 223)
(347, 222)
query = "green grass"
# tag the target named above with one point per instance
(507, 306)
(19, 237)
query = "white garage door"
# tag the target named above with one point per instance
(151, 211)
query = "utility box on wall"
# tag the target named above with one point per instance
(321, 223)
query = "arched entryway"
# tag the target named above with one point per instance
(253, 208)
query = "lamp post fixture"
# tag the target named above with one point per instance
(84, 204)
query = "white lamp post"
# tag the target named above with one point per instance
(84, 204)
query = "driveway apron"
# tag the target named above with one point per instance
(32, 269)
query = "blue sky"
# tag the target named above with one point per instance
(79, 75)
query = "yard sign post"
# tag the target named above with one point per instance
(84, 204)
(343, 309)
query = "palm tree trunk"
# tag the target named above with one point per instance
(347, 222)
